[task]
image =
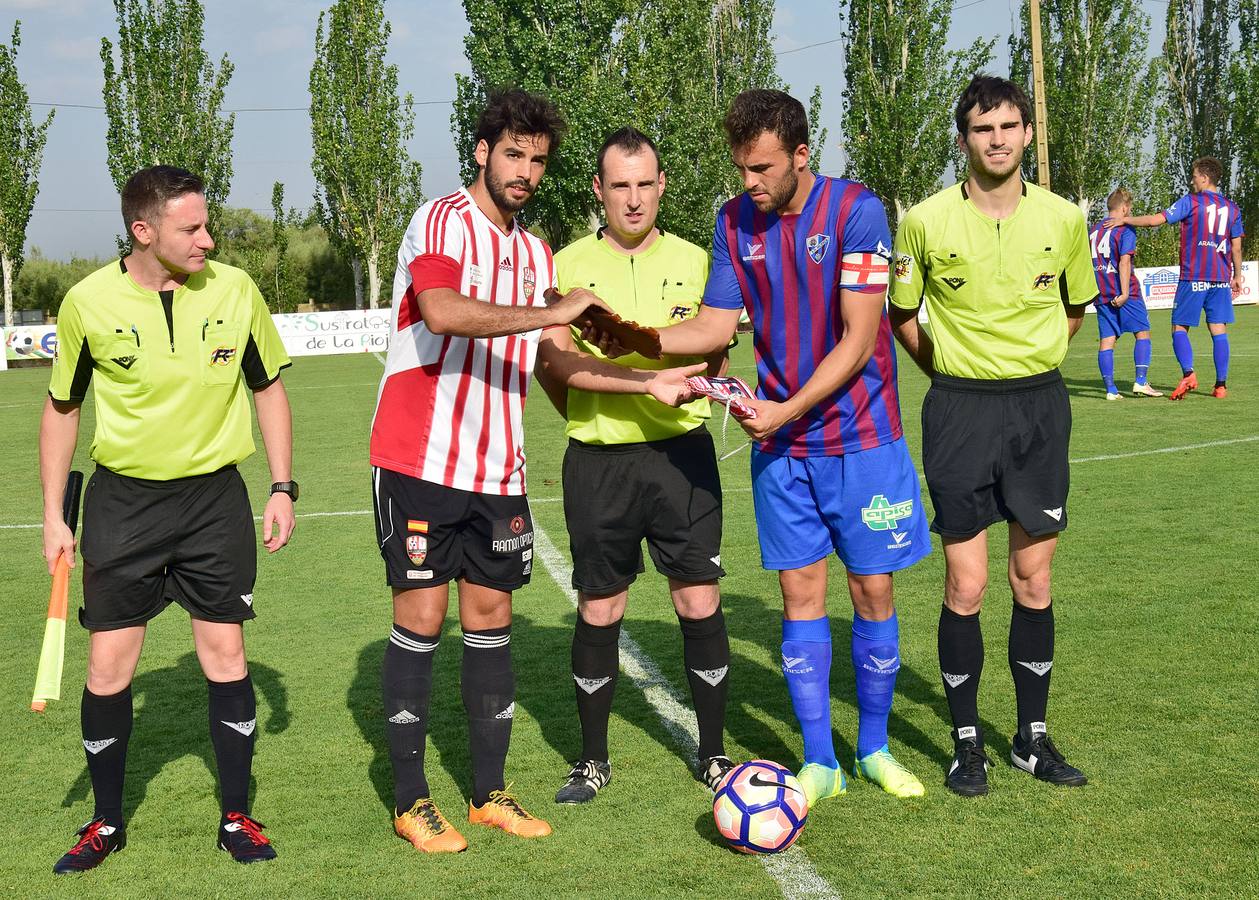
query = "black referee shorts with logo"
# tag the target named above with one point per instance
(995, 450)
(148, 543)
(667, 492)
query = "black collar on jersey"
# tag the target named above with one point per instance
(966, 194)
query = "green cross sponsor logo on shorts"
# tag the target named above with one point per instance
(883, 516)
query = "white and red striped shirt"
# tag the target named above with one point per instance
(450, 409)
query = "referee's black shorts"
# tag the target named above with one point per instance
(666, 491)
(147, 543)
(996, 450)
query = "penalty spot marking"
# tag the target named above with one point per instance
(792, 869)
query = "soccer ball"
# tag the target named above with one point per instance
(21, 342)
(759, 807)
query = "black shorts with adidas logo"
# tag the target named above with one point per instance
(995, 450)
(149, 543)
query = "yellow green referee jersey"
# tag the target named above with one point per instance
(659, 286)
(994, 290)
(170, 369)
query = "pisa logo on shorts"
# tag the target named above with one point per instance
(881, 515)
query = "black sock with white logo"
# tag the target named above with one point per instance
(233, 730)
(961, 647)
(489, 695)
(1031, 659)
(596, 663)
(706, 653)
(106, 722)
(407, 685)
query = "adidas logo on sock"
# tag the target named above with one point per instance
(245, 728)
(590, 685)
(1040, 668)
(404, 718)
(509, 712)
(95, 747)
(954, 680)
(712, 676)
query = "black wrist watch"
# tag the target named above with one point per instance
(285, 487)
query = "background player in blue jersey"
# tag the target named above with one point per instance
(1210, 269)
(1120, 308)
(807, 256)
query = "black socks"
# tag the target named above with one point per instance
(407, 684)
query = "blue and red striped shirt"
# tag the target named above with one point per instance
(1107, 246)
(1208, 222)
(787, 272)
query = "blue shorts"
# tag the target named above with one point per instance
(1187, 309)
(866, 506)
(1127, 319)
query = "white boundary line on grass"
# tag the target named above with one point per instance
(744, 490)
(794, 872)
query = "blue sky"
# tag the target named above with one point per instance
(271, 44)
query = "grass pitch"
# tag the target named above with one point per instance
(1154, 691)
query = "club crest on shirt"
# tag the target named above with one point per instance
(417, 548)
(817, 245)
(530, 281)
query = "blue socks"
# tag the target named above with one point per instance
(1142, 351)
(1183, 350)
(875, 661)
(1106, 363)
(806, 650)
(1219, 351)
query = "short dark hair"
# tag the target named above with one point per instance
(1209, 166)
(518, 112)
(757, 111)
(632, 142)
(145, 194)
(988, 92)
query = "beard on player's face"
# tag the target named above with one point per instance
(779, 191)
(498, 188)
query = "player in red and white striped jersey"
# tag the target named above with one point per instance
(448, 457)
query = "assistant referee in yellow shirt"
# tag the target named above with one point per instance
(173, 344)
(1005, 272)
(636, 468)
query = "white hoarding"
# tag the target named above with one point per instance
(343, 331)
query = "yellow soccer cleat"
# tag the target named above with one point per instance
(881, 768)
(503, 811)
(821, 782)
(427, 829)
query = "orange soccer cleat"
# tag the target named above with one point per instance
(427, 829)
(503, 811)
(1187, 384)
(1219, 392)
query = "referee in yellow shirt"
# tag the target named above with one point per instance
(636, 468)
(1005, 272)
(173, 344)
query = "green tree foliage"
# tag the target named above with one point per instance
(164, 97)
(901, 85)
(367, 185)
(279, 240)
(43, 282)
(1244, 121)
(1196, 83)
(667, 67)
(21, 154)
(1097, 96)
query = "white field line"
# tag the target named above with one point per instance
(744, 490)
(792, 870)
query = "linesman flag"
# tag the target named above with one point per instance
(53, 654)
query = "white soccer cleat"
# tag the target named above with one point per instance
(1144, 390)
(1114, 395)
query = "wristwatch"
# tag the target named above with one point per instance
(285, 487)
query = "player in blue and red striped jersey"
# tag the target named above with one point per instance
(807, 257)
(1210, 269)
(1120, 308)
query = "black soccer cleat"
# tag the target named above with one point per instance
(96, 841)
(1034, 752)
(968, 775)
(713, 770)
(585, 779)
(242, 837)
